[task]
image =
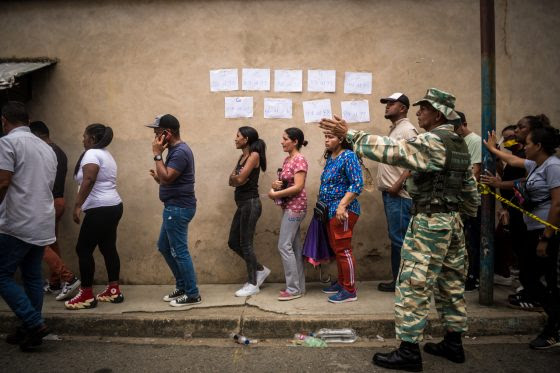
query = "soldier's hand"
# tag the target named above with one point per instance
(336, 126)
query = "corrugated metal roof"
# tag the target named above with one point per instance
(9, 71)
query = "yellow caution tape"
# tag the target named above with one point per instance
(485, 189)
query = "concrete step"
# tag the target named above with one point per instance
(144, 314)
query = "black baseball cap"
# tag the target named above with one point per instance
(397, 96)
(165, 121)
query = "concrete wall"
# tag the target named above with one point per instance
(124, 62)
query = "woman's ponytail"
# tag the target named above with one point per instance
(102, 136)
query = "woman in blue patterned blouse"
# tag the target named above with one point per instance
(341, 183)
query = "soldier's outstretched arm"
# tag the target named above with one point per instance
(470, 196)
(422, 153)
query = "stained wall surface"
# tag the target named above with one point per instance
(122, 63)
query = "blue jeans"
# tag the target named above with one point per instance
(173, 245)
(397, 211)
(27, 302)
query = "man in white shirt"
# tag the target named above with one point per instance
(472, 224)
(27, 221)
(390, 181)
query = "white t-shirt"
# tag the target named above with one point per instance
(27, 211)
(104, 191)
(474, 143)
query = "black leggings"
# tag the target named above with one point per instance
(242, 232)
(99, 227)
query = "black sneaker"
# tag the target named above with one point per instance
(522, 303)
(542, 342)
(388, 287)
(34, 338)
(185, 300)
(174, 295)
(471, 284)
(17, 336)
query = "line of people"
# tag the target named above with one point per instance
(436, 183)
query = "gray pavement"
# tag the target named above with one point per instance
(105, 355)
(144, 314)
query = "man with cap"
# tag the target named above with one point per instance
(433, 258)
(175, 177)
(391, 180)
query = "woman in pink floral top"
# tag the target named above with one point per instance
(289, 190)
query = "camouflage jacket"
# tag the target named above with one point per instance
(422, 153)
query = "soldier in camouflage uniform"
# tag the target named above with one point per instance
(433, 256)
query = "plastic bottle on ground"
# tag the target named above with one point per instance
(345, 335)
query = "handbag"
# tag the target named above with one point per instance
(321, 211)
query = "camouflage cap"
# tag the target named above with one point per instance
(441, 101)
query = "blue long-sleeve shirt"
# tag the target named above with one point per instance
(340, 175)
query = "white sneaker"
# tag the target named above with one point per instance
(69, 288)
(501, 280)
(262, 275)
(247, 290)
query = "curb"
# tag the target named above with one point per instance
(273, 326)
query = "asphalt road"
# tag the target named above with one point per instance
(146, 355)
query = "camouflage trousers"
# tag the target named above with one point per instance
(433, 260)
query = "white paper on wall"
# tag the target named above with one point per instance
(288, 80)
(314, 111)
(357, 83)
(277, 108)
(239, 107)
(256, 80)
(321, 80)
(355, 111)
(224, 80)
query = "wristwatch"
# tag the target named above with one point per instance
(157, 157)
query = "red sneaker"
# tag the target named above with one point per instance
(110, 294)
(83, 300)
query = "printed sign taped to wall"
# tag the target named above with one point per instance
(239, 107)
(288, 80)
(321, 80)
(255, 80)
(357, 82)
(314, 111)
(355, 111)
(224, 80)
(277, 108)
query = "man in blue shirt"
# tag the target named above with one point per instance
(175, 177)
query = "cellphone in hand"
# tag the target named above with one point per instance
(166, 136)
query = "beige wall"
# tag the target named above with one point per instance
(124, 62)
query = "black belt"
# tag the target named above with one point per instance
(432, 209)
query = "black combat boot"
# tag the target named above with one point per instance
(450, 348)
(406, 357)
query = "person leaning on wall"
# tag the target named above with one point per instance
(175, 177)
